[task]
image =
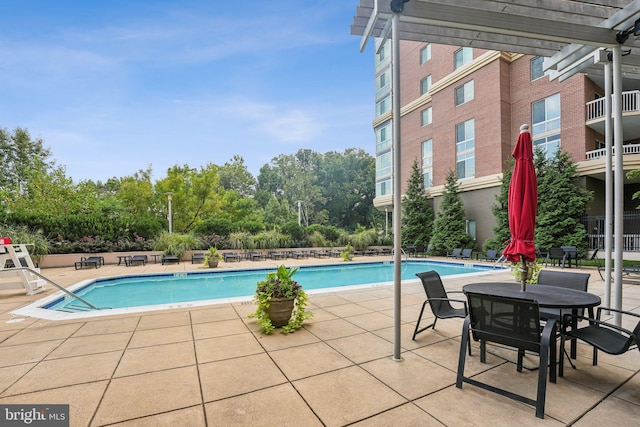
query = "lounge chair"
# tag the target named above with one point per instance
(455, 253)
(319, 253)
(276, 255)
(140, 259)
(96, 261)
(335, 253)
(166, 259)
(199, 257)
(466, 253)
(257, 256)
(231, 256)
(491, 255)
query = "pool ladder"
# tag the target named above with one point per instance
(73, 308)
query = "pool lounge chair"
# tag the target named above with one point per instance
(96, 261)
(257, 256)
(199, 257)
(167, 259)
(139, 259)
(231, 256)
(465, 254)
(455, 253)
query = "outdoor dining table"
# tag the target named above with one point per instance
(546, 296)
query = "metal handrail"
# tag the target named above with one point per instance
(71, 294)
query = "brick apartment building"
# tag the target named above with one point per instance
(461, 110)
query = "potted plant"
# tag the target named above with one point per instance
(212, 257)
(533, 269)
(281, 302)
(347, 253)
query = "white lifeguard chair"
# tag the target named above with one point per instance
(12, 256)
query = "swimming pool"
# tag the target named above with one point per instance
(170, 290)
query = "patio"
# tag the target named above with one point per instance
(208, 366)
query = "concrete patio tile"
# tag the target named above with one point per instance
(371, 321)
(148, 394)
(233, 377)
(65, 372)
(378, 304)
(447, 353)
(346, 395)
(26, 353)
(221, 348)
(603, 376)
(305, 361)
(278, 341)
(320, 315)
(219, 328)
(11, 374)
(630, 391)
(151, 337)
(326, 300)
(333, 329)
(213, 314)
(410, 313)
(474, 407)
(148, 359)
(191, 417)
(83, 399)
(108, 326)
(43, 333)
(165, 320)
(362, 347)
(412, 377)
(262, 408)
(91, 344)
(406, 333)
(346, 310)
(405, 415)
(612, 412)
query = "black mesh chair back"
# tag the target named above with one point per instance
(555, 254)
(491, 255)
(512, 322)
(561, 279)
(438, 300)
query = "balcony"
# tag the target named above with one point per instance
(626, 149)
(630, 116)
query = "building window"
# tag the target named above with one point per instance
(383, 83)
(470, 228)
(383, 58)
(425, 54)
(536, 68)
(383, 136)
(383, 174)
(425, 116)
(427, 163)
(546, 125)
(464, 93)
(462, 56)
(425, 84)
(384, 188)
(383, 106)
(465, 150)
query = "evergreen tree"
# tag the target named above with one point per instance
(501, 232)
(561, 203)
(417, 221)
(449, 227)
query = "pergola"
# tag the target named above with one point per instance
(597, 37)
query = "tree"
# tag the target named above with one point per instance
(634, 174)
(417, 221)
(449, 227)
(235, 176)
(501, 232)
(561, 202)
(21, 157)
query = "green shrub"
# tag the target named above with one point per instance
(20, 234)
(175, 244)
(316, 239)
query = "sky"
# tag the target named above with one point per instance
(113, 87)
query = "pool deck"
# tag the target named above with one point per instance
(209, 366)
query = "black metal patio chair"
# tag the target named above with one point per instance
(604, 336)
(439, 302)
(512, 322)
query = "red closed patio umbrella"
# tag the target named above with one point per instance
(522, 204)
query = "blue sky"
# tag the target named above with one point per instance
(115, 86)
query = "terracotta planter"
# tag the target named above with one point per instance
(279, 311)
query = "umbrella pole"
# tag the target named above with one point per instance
(523, 273)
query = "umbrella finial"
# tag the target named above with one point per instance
(524, 128)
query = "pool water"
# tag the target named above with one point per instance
(144, 290)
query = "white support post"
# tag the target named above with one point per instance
(618, 194)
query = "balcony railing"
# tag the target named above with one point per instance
(626, 149)
(630, 104)
(631, 231)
